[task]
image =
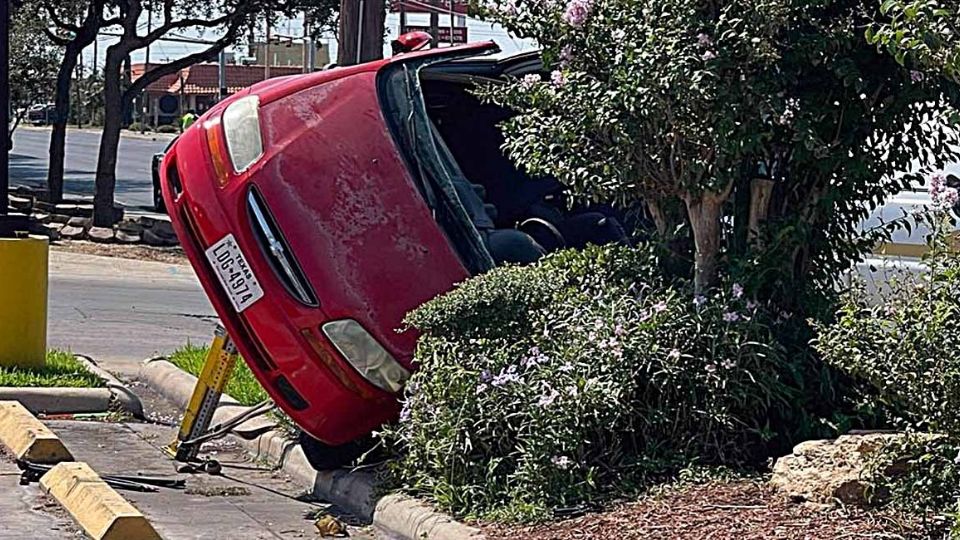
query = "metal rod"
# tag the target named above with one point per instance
(452, 22)
(144, 96)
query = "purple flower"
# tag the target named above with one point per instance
(711, 368)
(950, 197)
(561, 462)
(704, 40)
(708, 56)
(577, 12)
(728, 364)
(699, 300)
(941, 195)
(566, 367)
(481, 388)
(674, 354)
(731, 316)
(485, 375)
(737, 290)
(618, 330)
(405, 412)
(916, 76)
(660, 306)
(566, 55)
(751, 305)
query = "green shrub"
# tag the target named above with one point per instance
(137, 126)
(559, 384)
(167, 128)
(904, 340)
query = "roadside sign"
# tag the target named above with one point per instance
(460, 7)
(459, 32)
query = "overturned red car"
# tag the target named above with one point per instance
(319, 209)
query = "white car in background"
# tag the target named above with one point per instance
(904, 251)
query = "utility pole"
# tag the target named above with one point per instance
(144, 96)
(266, 53)
(360, 16)
(222, 73)
(403, 18)
(452, 23)
(308, 46)
(5, 106)
(434, 24)
(78, 109)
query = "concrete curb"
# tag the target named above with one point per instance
(355, 491)
(27, 437)
(65, 400)
(123, 395)
(100, 511)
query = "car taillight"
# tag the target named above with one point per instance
(218, 150)
(366, 355)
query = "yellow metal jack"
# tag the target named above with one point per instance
(217, 368)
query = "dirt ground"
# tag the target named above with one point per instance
(170, 255)
(738, 510)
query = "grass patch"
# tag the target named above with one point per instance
(61, 369)
(242, 386)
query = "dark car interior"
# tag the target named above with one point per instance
(492, 212)
(520, 217)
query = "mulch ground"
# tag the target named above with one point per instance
(169, 255)
(738, 510)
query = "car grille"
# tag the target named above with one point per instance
(276, 249)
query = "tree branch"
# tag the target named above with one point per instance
(60, 23)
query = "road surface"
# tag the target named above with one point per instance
(28, 163)
(121, 311)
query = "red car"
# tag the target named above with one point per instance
(319, 209)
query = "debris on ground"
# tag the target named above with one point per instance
(218, 491)
(170, 255)
(329, 526)
(736, 510)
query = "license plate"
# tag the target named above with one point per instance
(234, 273)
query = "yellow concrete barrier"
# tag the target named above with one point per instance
(23, 301)
(27, 437)
(99, 510)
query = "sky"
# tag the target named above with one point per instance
(166, 51)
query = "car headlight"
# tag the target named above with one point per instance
(366, 355)
(241, 127)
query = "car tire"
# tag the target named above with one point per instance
(322, 456)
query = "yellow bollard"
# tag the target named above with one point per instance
(23, 301)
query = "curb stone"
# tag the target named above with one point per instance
(99, 510)
(126, 398)
(354, 490)
(28, 438)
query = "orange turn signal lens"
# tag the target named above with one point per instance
(218, 150)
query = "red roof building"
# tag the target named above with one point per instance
(198, 87)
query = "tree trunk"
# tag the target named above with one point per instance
(114, 106)
(58, 135)
(371, 40)
(704, 212)
(761, 191)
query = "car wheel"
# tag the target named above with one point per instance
(323, 456)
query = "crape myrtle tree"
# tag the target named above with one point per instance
(763, 129)
(227, 18)
(922, 33)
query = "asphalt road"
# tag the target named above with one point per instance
(29, 158)
(122, 311)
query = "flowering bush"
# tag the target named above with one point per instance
(556, 385)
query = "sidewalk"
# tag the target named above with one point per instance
(96, 131)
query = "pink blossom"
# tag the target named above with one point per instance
(577, 12)
(674, 354)
(941, 195)
(660, 306)
(731, 316)
(699, 300)
(557, 78)
(704, 40)
(708, 55)
(561, 462)
(916, 76)
(566, 54)
(530, 80)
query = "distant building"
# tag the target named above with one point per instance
(198, 87)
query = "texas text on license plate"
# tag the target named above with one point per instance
(234, 273)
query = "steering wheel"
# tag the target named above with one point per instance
(544, 232)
